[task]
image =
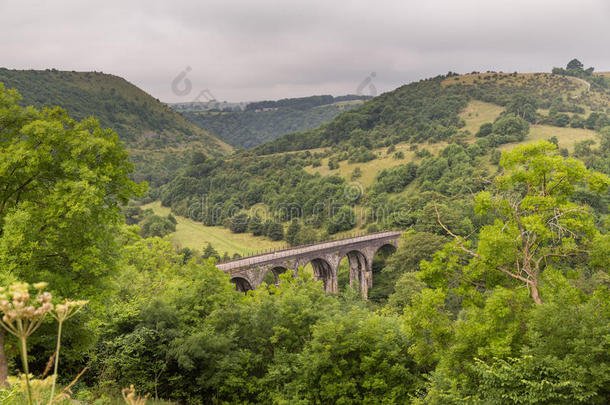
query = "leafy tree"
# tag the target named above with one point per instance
(428, 326)
(565, 360)
(343, 220)
(255, 225)
(187, 254)
(575, 64)
(523, 106)
(453, 217)
(495, 157)
(596, 120)
(577, 121)
(406, 288)
(159, 302)
(395, 179)
(414, 247)
(275, 231)
(155, 225)
(141, 356)
(210, 252)
(511, 128)
(353, 358)
(246, 352)
(293, 232)
(537, 221)
(485, 130)
(172, 219)
(133, 214)
(239, 223)
(62, 186)
(307, 235)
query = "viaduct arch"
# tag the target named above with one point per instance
(248, 272)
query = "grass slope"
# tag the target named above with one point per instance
(139, 118)
(474, 115)
(477, 113)
(372, 168)
(159, 139)
(195, 235)
(567, 137)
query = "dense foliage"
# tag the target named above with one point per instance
(62, 185)
(158, 138)
(423, 110)
(577, 69)
(230, 191)
(137, 117)
(499, 292)
(456, 321)
(215, 191)
(428, 110)
(257, 125)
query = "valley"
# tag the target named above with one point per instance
(457, 233)
(265, 121)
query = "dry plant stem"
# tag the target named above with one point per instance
(69, 309)
(3, 361)
(67, 389)
(48, 366)
(26, 369)
(130, 397)
(21, 318)
(56, 362)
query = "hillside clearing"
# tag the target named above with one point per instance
(196, 236)
(371, 169)
(477, 113)
(567, 137)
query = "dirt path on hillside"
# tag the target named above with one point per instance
(586, 83)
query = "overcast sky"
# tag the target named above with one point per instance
(250, 50)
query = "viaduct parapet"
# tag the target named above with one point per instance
(248, 272)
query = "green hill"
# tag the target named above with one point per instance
(268, 120)
(435, 140)
(155, 134)
(429, 110)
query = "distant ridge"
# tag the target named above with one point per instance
(150, 129)
(247, 125)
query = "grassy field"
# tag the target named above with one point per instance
(546, 80)
(348, 103)
(195, 235)
(372, 168)
(477, 113)
(567, 136)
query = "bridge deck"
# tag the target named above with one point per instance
(262, 258)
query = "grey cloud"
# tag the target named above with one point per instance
(247, 49)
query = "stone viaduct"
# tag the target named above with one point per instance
(248, 272)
